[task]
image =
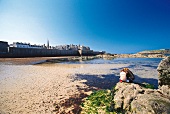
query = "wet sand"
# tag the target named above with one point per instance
(58, 88)
(27, 61)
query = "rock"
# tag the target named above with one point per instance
(134, 99)
(165, 89)
(164, 72)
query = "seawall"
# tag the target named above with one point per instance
(31, 52)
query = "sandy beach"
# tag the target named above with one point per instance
(58, 88)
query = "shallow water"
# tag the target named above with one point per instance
(133, 61)
(144, 69)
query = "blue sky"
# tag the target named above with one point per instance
(115, 26)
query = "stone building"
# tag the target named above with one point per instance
(3, 47)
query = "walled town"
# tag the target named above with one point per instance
(18, 49)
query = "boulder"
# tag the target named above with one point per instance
(165, 89)
(134, 99)
(164, 72)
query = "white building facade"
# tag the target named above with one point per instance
(26, 45)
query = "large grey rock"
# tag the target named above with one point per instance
(134, 99)
(164, 72)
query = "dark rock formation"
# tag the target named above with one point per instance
(164, 72)
(134, 99)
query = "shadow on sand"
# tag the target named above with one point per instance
(97, 82)
(110, 80)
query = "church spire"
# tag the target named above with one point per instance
(48, 46)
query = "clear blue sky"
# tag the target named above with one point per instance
(115, 26)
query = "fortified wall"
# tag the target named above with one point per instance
(30, 52)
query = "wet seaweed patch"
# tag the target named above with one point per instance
(101, 101)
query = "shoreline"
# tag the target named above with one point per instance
(42, 60)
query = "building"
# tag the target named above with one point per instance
(84, 48)
(3, 47)
(62, 47)
(26, 45)
(72, 47)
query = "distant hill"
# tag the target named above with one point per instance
(161, 51)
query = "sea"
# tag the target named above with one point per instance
(133, 61)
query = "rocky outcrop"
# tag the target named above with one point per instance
(164, 72)
(161, 51)
(132, 98)
(138, 55)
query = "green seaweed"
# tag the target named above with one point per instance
(100, 101)
(149, 86)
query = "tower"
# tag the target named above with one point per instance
(48, 46)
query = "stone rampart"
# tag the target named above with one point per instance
(30, 52)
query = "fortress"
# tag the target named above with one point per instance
(18, 49)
